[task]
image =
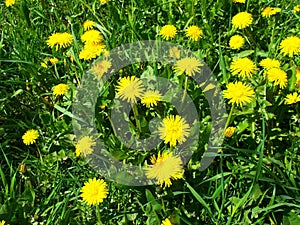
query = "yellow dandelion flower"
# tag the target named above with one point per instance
(188, 65)
(297, 77)
(174, 129)
(242, 20)
(296, 8)
(278, 76)
(164, 168)
(88, 25)
(166, 222)
(100, 68)
(236, 42)
(239, 1)
(239, 93)
(268, 63)
(91, 51)
(130, 89)
(290, 46)
(9, 2)
(60, 89)
(292, 98)
(194, 33)
(270, 11)
(104, 1)
(243, 67)
(168, 32)
(150, 98)
(174, 52)
(60, 40)
(2, 222)
(53, 60)
(43, 64)
(229, 131)
(92, 36)
(84, 146)
(94, 191)
(30, 137)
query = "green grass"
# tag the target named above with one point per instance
(255, 179)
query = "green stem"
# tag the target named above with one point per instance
(136, 113)
(185, 89)
(40, 155)
(112, 125)
(98, 215)
(229, 116)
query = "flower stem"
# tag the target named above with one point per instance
(98, 215)
(136, 113)
(185, 89)
(229, 116)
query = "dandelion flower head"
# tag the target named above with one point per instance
(60, 40)
(30, 137)
(296, 8)
(229, 131)
(277, 76)
(239, 93)
(150, 98)
(9, 2)
(164, 168)
(242, 20)
(100, 68)
(168, 32)
(84, 146)
(243, 67)
(290, 46)
(130, 89)
(92, 36)
(292, 98)
(194, 33)
(236, 42)
(174, 129)
(60, 89)
(268, 63)
(270, 11)
(174, 52)
(88, 25)
(94, 191)
(239, 1)
(188, 65)
(166, 222)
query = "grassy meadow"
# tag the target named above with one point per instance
(252, 48)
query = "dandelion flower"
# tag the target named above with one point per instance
(94, 191)
(290, 46)
(53, 60)
(268, 63)
(100, 68)
(130, 89)
(150, 98)
(91, 51)
(270, 11)
(60, 40)
(164, 168)
(92, 36)
(278, 76)
(30, 137)
(168, 32)
(236, 42)
(166, 222)
(44, 64)
(297, 77)
(239, 1)
(229, 131)
(242, 20)
(88, 25)
(239, 93)
(174, 52)
(174, 129)
(292, 98)
(2, 222)
(296, 8)
(194, 33)
(243, 67)
(60, 89)
(188, 65)
(84, 146)
(9, 2)
(104, 1)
